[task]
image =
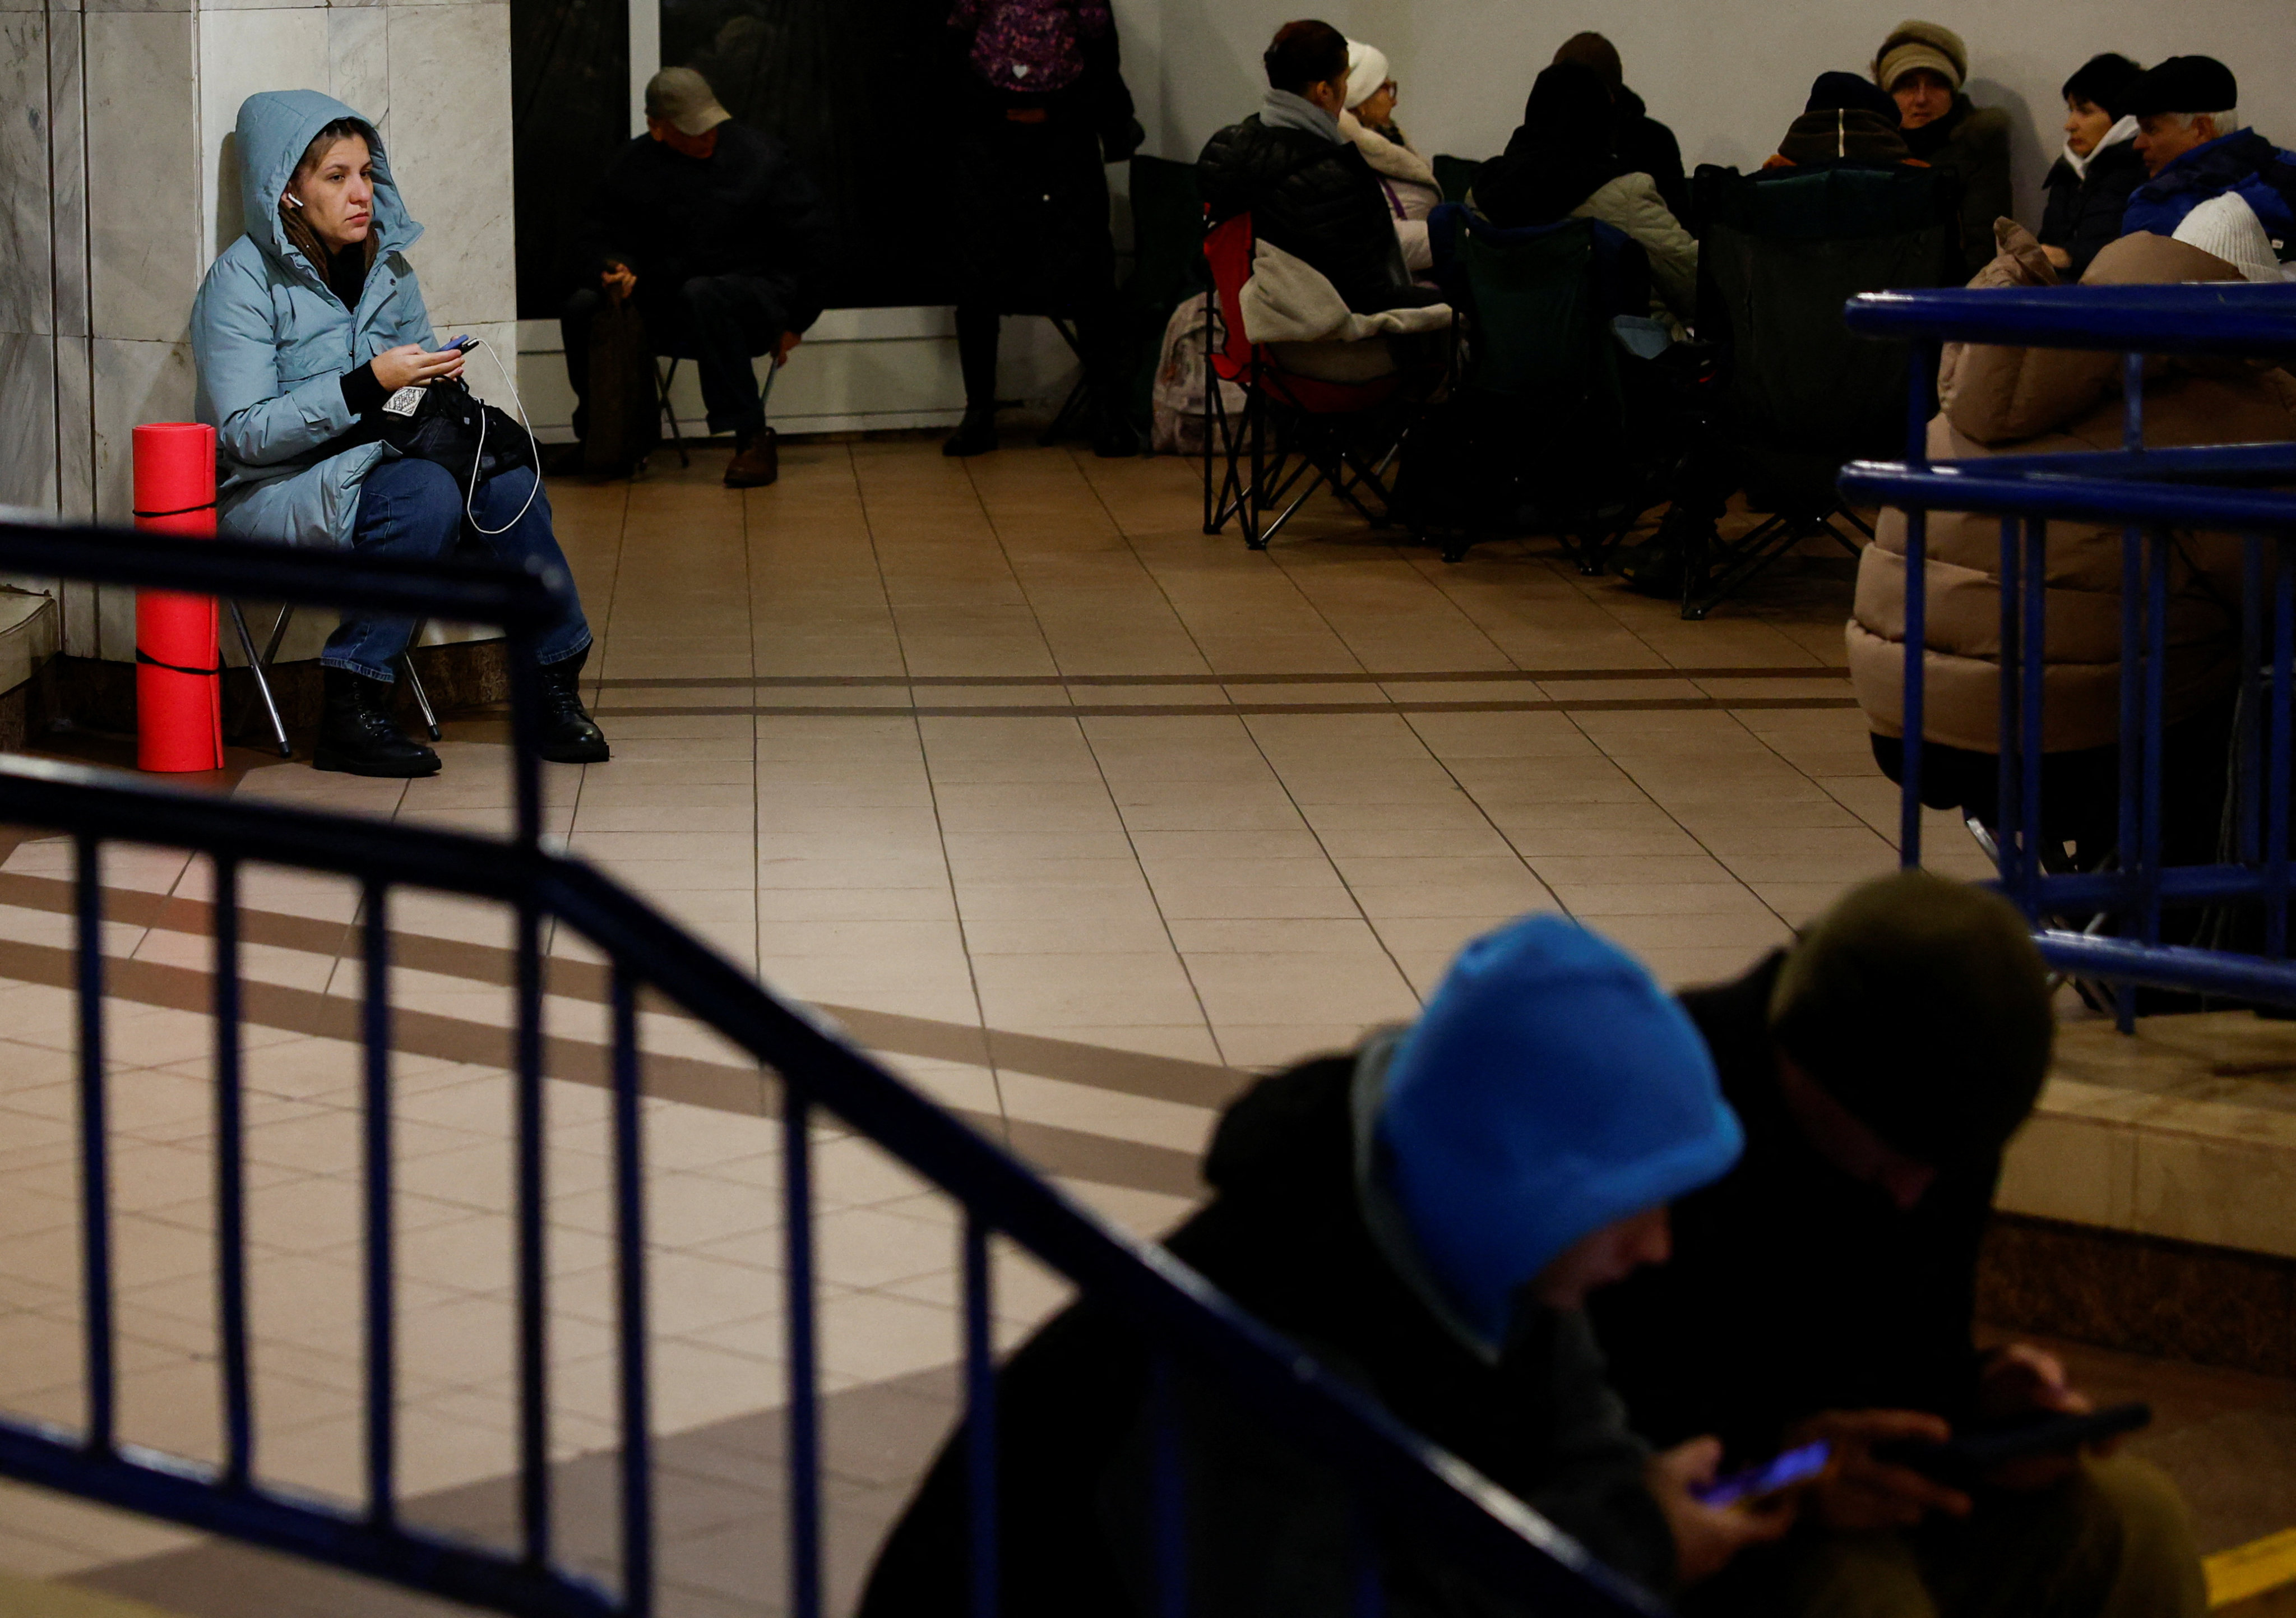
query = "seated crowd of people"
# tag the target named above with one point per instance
(1603, 1244)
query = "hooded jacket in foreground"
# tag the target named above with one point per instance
(2028, 401)
(1271, 1527)
(273, 342)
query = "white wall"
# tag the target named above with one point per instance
(1727, 76)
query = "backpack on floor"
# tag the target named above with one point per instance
(1177, 403)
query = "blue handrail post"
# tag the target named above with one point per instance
(2010, 848)
(230, 1185)
(2283, 752)
(95, 1176)
(2159, 555)
(804, 1378)
(382, 1376)
(533, 1272)
(1912, 707)
(2030, 715)
(630, 1314)
(1168, 1489)
(980, 1424)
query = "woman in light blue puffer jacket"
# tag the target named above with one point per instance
(302, 328)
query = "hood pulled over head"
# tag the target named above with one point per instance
(275, 128)
(1550, 1089)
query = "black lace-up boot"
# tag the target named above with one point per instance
(356, 733)
(569, 735)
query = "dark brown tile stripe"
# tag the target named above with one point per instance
(1099, 1158)
(1130, 1073)
(1439, 676)
(1118, 711)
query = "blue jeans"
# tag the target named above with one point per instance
(413, 509)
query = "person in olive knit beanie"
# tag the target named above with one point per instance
(1826, 1286)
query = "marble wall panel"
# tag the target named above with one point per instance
(134, 382)
(358, 61)
(143, 170)
(67, 172)
(138, 5)
(27, 424)
(241, 53)
(450, 147)
(76, 419)
(26, 297)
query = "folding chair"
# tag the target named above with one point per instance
(1536, 432)
(259, 668)
(666, 377)
(1455, 177)
(1298, 433)
(1784, 251)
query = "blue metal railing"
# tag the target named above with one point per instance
(1191, 1328)
(2151, 494)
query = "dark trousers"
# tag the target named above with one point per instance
(413, 509)
(720, 323)
(1098, 337)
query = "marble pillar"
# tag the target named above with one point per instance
(119, 186)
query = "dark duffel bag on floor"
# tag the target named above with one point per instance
(625, 413)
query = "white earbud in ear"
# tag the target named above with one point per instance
(294, 201)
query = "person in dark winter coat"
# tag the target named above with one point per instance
(2190, 136)
(1824, 1287)
(1308, 190)
(1041, 109)
(1924, 65)
(1424, 1218)
(722, 239)
(2090, 185)
(1644, 144)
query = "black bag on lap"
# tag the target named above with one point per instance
(447, 423)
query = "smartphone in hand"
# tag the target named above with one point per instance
(1783, 1471)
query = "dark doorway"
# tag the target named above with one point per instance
(570, 76)
(856, 87)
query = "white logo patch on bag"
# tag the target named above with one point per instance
(404, 402)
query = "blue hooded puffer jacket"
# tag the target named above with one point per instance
(1550, 1089)
(273, 341)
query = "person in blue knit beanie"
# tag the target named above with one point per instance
(1423, 1216)
(1553, 1099)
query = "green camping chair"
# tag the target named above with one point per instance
(1455, 175)
(1539, 416)
(1785, 251)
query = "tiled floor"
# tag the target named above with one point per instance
(1072, 813)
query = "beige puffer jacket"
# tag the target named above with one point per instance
(2035, 401)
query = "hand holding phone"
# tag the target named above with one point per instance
(1780, 1472)
(1968, 1457)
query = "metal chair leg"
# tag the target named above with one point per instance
(414, 683)
(260, 669)
(676, 433)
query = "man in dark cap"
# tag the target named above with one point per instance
(1824, 1287)
(723, 240)
(2194, 148)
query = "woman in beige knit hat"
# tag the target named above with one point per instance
(1924, 65)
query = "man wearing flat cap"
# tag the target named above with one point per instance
(722, 240)
(1824, 1287)
(2194, 148)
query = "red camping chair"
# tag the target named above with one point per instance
(1297, 433)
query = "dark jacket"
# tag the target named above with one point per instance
(1647, 146)
(1842, 137)
(1969, 147)
(746, 209)
(2084, 211)
(1271, 1527)
(1793, 1288)
(1318, 201)
(2244, 161)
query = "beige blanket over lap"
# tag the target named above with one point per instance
(1289, 305)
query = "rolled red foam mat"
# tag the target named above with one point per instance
(178, 683)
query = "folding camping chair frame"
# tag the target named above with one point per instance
(260, 666)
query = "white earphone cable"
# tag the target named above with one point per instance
(478, 458)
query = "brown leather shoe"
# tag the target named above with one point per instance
(757, 465)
